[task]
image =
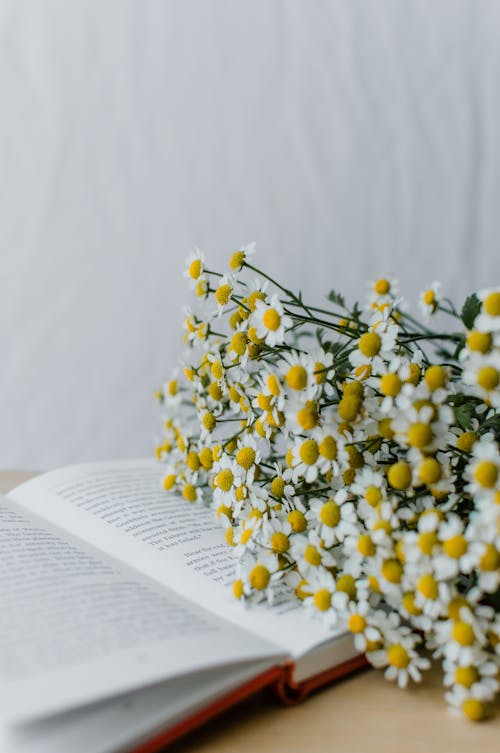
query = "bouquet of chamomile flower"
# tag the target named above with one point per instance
(352, 455)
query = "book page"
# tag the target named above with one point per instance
(121, 508)
(76, 625)
(124, 722)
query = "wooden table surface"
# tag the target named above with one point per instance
(361, 714)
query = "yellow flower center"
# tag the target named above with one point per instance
(322, 599)
(414, 374)
(392, 570)
(399, 475)
(195, 269)
(353, 388)
(456, 546)
(463, 633)
(486, 474)
(385, 428)
(474, 709)
(223, 294)
(347, 585)
(356, 623)
(237, 260)
(215, 391)
(241, 494)
(455, 605)
(169, 481)
(264, 401)
(479, 341)
(307, 417)
(349, 407)
(280, 542)
(239, 343)
(397, 656)
(189, 493)
(271, 319)
(273, 385)
(409, 603)
(224, 510)
(365, 545)
(382, 286)
(235, 319)
(206, 458)
(245, 457)
(466, 441)
(435, 377)
(319, 372)
(277, 487)
(429, 471)
(370, 344)
(246, 536)
(427, 586)
(373, 495)
(229, 536)
(193, 461)
(426, 542)
(296, 377)
(259, 577)
(201, 288)
(312, 556)
(309, 451)
(390, 385)
(466, 676)
(330, 514)
(429, 297)
(419, 435)
(488, 378)
(297, 520)
(224, 479)
(209, 421)
(490, 560)
(492, 304)
(238, 588)
(328, 448)
(216, 370)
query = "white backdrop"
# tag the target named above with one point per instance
(348, 139)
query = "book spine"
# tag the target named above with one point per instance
(270, 678)
(290, 692)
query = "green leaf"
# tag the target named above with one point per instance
(337, 298)
(470, 310)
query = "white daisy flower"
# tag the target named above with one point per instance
(480, 678)
(376, 347)
(401, 660)
(381, 292)
(224, 292)
(483, 374)
(361, 624)
(454, 555)
(270, 321)
(309, 554)
(258, 575)
(243, 254)
(488, 319)
(483, 470)
(429, 299)
(333, 518)
(305, 460)
(298, 375)
(195, 265)
(228, 476)
(320, 603)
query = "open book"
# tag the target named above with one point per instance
(118, 631)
